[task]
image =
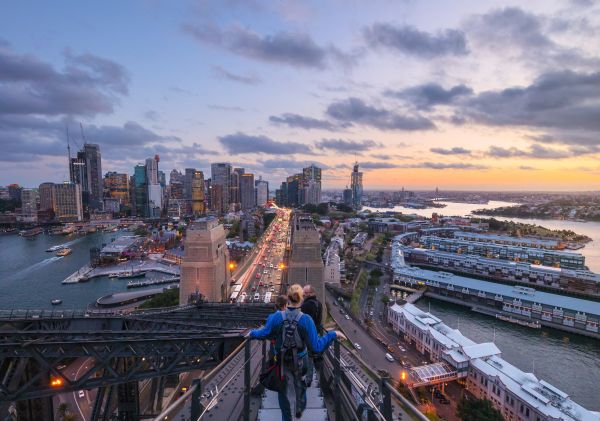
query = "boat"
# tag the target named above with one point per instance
(113, 275)
(31, 232)
(534, 324)
(56, 248)
(64, 252)
(56, 302)
(132, 274)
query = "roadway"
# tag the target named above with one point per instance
(82, 406)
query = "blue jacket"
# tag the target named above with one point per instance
(306, 328)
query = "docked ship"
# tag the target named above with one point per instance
(30, 232)
(64, 252)
(534, 324)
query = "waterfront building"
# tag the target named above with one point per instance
(538, 256)
(29, 205)
(247, 191)
(306, 265)
(46, 192)
(68, 202)
(221, 176)
(527, 304)
(332, 269)
(356, 185)
(197, 201)
(204, 269)
(577, 281)
(262, 191)
(516, 394)
(116, 186)
(86, 170)
(545, 243)
(141, 191)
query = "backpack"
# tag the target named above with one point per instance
(292, 343)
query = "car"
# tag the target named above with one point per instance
(347, 317)
(253, 288)
(389, 358)
(402, 348)
(81, 394)
(256, 296)
(258, 276)
(357, 346)
(335, 303)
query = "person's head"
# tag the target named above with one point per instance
(295, 295)
(309, 291)
(281, 302)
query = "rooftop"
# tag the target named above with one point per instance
(121, 244)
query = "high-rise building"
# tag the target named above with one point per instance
(348, 196)
(247, 193)
(46, 191)
(14, 192)
(94, 178)
(294, 196)
(198, 205)
(281, 195)
(162, 179)
(29, 201)
(69, 206)
(155, 199)
(116, 186)
(216, 197)
(311, 185)
(141, 191)
(356, 184)
(221, 176)
(187, 183)
(204, 269)
(306, 265)
(262, 191)
(234, 188)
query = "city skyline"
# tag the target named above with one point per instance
(480, 96)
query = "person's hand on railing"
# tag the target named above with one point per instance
(339, 335)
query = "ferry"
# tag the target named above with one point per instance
(132, 274)
(56, 302)
(64, 252)
(534, 324)
(56, 248)
(31, 232)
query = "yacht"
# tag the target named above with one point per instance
(56, 248)
(64, 252)
(56, 302)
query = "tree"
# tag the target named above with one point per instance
(310, 208)
(385, 299)
(268, 218)
(322, 209)
(477, 410)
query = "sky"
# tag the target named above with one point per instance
(462, 95)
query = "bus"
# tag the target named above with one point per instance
(268, 297)
(234, 296)
(237, 288)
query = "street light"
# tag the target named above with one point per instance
(56, 381)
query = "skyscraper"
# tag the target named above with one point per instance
(348, 196)
(141, 191)
(204, 269)
(311, 185)
(69, 207)
(221, 176)
(262, 191)
(29, 200)
(116, 186)
(198, 205)
(356, 185)
(187, 183)
(155, 204)
(47, 201)
(94, 170)
(235, 189)
(247, 192)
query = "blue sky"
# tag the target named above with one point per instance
(498, 95)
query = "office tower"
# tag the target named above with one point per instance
(221, 176)
(207, 194)
(306, 265)
(154, 187)
(29, 201)
(162, 179)
(295, 194)
(187, 183)
(198, 206)
(68, 202)
(141, 191)
(262, 191)
(235, 189)
(176, 185)
(356, 185)
(247, 193)
(204, 269)
(216, 197)
(116, 186)
(348, 196)
(94, 174)
(14, 192)
(281, 195)
(311, 185)
(46, 192)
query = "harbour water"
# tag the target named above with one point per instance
(569, 362)
(30, 277)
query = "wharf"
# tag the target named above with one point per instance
(140, 284)
(86, 273)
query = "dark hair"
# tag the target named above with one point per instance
(280, 302)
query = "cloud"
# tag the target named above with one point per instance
(227, 75)
(296, 120)
(225, 107)
(559, 100)
(429, 95)
(387, 157)
(151, 115)
(527, 168)
(354, 110)
(427, 165)
(88, 85)
(535, 151)
(347, 146)
(291, 48)
(240, 143)
(457, 150)
(409, 40)
(291, 165)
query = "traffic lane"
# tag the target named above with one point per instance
(80, 406)
(371, 350)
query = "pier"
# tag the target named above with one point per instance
(87, 272)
